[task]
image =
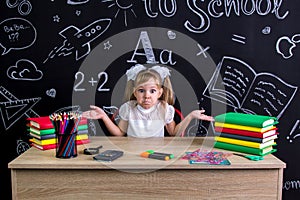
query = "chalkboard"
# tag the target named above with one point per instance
(224, 55)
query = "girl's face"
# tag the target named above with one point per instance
(147, 94)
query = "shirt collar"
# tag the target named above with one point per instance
(146, 111)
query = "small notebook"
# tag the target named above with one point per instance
(210, 158)
(108, 155)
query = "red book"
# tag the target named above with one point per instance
(44, 147)
(85, 141)
(40, 122)
(246, 133)
(45, 122)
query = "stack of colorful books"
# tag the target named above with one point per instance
(43, 136)
(246, 133)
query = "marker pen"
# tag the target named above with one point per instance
(158, 153)
(154, 156)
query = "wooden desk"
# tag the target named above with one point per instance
(39, 174)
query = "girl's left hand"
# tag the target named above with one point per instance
(198, 114)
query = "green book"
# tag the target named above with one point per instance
(82, 127)
(42, 132)
(52, 130)
(244, 149)
(246, 119)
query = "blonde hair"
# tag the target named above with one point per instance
(144, 76)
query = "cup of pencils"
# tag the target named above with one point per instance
(65, 125)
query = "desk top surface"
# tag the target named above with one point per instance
(132, 148)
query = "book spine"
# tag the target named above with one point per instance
(82, 132)
(53, 140)
(238, 148)
(258, 121)
(244, 143)
(41, 126)
(241, 127)
(239, 137)
(42, 132)
(42, 137)
(82, 127)
(246, 133)
(44, 147)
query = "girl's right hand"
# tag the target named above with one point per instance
(94, 113)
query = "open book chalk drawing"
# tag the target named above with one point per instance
(236, 84)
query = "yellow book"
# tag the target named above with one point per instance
(53, 140)
(245, 143)
(82, 137)
(241, 127)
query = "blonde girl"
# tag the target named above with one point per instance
(148, 106)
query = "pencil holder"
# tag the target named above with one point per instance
(66, 146)
(65, 125)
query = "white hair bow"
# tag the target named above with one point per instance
(163, 71)
(134, 70)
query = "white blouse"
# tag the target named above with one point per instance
(146, 122)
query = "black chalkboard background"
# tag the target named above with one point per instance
(38, 78)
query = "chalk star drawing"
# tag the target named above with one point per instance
(107, 45)
(56, 18)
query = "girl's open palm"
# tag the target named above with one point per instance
(94, 113)
(199, 114)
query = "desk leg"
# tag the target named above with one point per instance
(13, 184)
(280, 183)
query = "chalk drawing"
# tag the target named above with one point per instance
(112, 111)
(80, 78)
(202, 51)
(238, 38)
(12, 109)
(24, 70)
(285, 45)
(79, 39)
(121, 6)
(77, 2)
(56, 18)
(22, 146)
(162, 6)
(73, 108)
(107, 45)
(248, 91)
(295, 132)
(16, 34)
(197, 129)
(51, 93)
(266, 30)
(171, 35)
(24, 6)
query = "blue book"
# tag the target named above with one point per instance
(42, 137)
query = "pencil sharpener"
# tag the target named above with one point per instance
(91, 151)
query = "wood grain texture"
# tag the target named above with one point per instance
(39, 175)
